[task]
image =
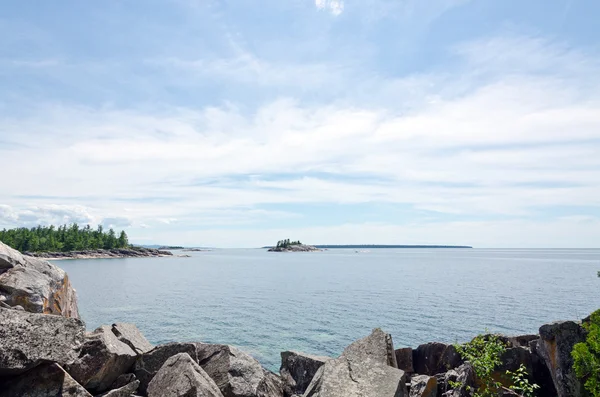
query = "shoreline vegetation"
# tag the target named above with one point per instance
(45, 348)
(377, 246)
(292, 246)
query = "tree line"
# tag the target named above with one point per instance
(63, 238)
(287, 243)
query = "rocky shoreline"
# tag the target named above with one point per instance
(45, 351)
(295, 248)
(136, 252)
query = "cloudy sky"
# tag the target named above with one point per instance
(235, 123)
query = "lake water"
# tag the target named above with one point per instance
(320, 302)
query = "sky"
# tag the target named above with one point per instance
(237, 123)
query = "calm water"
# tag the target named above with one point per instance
(320, 302)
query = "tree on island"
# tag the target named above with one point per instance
(287, 243)
(64, 238)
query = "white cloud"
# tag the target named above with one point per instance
(335, 7)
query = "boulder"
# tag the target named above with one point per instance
(236, 373)
(555, 346)
(36, 285)
(102, 359)
(365, 369)
(423, 386)
(124, 391)
(30, 339)
(181, 376)
(132, 337)
(464, 375)
(434, 358)
(540, 374)
(122, 380)
(404, 359)
(297, 371)
(148, 364)
(48, 380)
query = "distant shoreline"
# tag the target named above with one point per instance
(382, 246)
(117, 253)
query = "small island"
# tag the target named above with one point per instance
(292, 246)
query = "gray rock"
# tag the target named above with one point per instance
(434, 358)
(132, 337)
(102, 359)
(236, 373)
(555, 346)
(464, 375)
(181, 376)
(297, 371)
(148, 364)
(378, 347)
(29, 339)
(404, 358)
(48, 380)
(124, 391)
(365, 369)
(37, 285)
(122, 380)
(540, 374)
(9, 258)
(423, 386)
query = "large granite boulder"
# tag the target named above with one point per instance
(555, 347)
(48, 380)
(423, 386)
(297, 371)
(464, 376)
(365, 369)
(434, 358)
(102, 359)
(181, 376)
(124, 391)
(30, 339)
(236, 373)
(132, 337)
(36, 285)
(148, 364)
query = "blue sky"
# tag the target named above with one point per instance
(238, 123)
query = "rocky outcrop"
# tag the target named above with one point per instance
(404, 359)
(148, 364)
(49, 380)
(236, 373)
(555, 346)
(30, 339)
(297, 371)
(134, 252)
(102, 360)
(181, 376)
(295, 248)
(423, 386)
(363, 370)
(36, 285)
(434, 358)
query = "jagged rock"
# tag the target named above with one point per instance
(423, 386)
(48, 380)
(181, 376)
(540, 374)
(434, 358)
(123, 380)
(123, 391)
(9, 258)
(555, 346)
(463, 375)
(365, 369)
(297, 371)
(36, 285)
(102, 359)
(30, 339)
(236, 373)
(148, 364)
(132, 337)
(404, 359)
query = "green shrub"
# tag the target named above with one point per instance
(586, 357)
(520, 382)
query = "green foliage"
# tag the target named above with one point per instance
(287, 243)
(62, 239)
(586, 357)
(520, 382)
(484, 352)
